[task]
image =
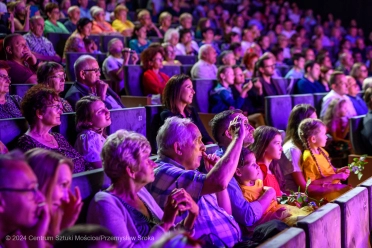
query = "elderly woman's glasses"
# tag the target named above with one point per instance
(56, 106)
(2, 76)
(95, 70)
(62, 76)
(34, 190)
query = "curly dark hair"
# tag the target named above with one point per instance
(148, 55)
(46, 70)
(37, 98)
(50, 7)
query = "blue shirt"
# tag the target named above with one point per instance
(85, 13)
(292, 73)
(305, 86)
(134, 45)
(359, 105)
(221, 99)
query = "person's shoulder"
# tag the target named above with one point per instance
(166, 113)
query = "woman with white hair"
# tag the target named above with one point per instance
(100, 26)
(172, 37)
(126, 208)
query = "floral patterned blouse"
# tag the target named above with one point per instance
(26, 142)
(66, 106)
(11, 107)
(74, 44)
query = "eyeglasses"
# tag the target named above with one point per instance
(34, 190)
(272, 66)
(56, 106)
(96, 70)
(158, 59)
(2, 76)
(63, 76)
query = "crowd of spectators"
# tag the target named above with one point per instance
(252, 49)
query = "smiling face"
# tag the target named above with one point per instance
(56, 81)
(187, 92)
(17, 48)
(193, 150)
(100, 115)
(86, 30)
(52, 115)
(248, 139)
(60, 193)
(4, 81)
(145, 173)
(157, 61)
(274, 149)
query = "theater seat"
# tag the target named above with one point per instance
(289, 238)
(318, 100)
(354, 218)
(187, 59)
(19, 89)
(356, 126)
(171, 70)
(302, 99)
(67, 127)
(153, 124)
(58, 40)
(11, 129)
(277, 111)
(368, 184)
(322, 227)
(202, 88)
(131, 119)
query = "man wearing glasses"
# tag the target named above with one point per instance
(87, 73)
(22, 205)
(22, 62)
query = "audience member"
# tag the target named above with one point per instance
(65, 5)
(52, 25)
(325, 75)
(177, 99)
(221, 97)
(180, 239)
(172, 37)
(41, 47)
(144, 18)
(309, 84)
(9, 104)
(25, 206)
(169, 55)
(247, 40)
(91, 118)
(139, 42)
(21, 16)
(179, 157)
(358, 103)
(42, 110)
(126, 208)
(297, 71)
(96, 236)
(84, 11)
(205, 68)
(165, 21)
(75, 43)
(121, 24)
(203, 23)
(106, 14)
(20, 59)
(359, 72)
(249, 61)
(208, 38)
(153, 80)
(339, 90)
(73, 17)
(186, 45)
(227, 58)
(54, 175)
(367, 122)
(346, 63)
(87, 73)
(100, 26)
(186, 23)
(113, 66)
(52, 75)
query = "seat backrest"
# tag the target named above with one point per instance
(187, 59)
(105, 39)
(283, 83)
(171, 70)
(291, 237)
(96, 39)
(67, 127)
(186, 69)
(11, 129)
(153, 124)
(318, 100)
(20, 89)
(354, 218)
(202, 88)
(291, 85)
(131, 119)
(58, 40)
(357, 141)
(368, 184)
(70, 61)
(154, 39)
(323, 227)
(100, 58)
(89, 183)
(302, 99)
(67, 87)
(277, 111)
(132, 80)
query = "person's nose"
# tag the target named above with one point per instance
(65, 196)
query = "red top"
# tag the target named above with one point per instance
(270, 180)
(154, 83)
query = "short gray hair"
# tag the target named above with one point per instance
(169, 33)
(367, 83)
(203, 49)
(122, 149)
(174, 130)
(81, 63)
(111, 42)
(72, 9)
(34, 19)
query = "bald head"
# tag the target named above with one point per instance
(82, 63)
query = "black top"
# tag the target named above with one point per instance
(193, 115)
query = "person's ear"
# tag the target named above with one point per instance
(227, 134)
(177, 148)
(312, 139)
(131, 173)
(39, 114)
(238, 172)
(82, 74)
(8, 50)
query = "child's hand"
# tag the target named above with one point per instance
(343, 175)
(270, 192)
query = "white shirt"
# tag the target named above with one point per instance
(111, 63)
(204, 70)
(292, 163)
(181, 49)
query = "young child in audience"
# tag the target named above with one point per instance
(249, 176)
(337, 124)
(221, 97)
(267, 148)
(316, 164)
(92, 117)
(91, 46)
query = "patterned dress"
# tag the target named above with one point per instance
(26, 142)
(11, 107)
